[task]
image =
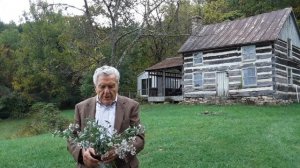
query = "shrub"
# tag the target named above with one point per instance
(46, 118)
(141, 100)
(4, 113)
(14, 105)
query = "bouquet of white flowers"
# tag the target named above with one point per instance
(98, 137)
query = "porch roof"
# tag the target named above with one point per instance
(168, 63)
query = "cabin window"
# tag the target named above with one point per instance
(198, 58)
(289, 47)
(289, 76)
(249, 76)
(248, 53)
(198, 79)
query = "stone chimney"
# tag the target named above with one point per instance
(197, 24)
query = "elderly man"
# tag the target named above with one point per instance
(121, 112)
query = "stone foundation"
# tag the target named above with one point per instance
(260, 100)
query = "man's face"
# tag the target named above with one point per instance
(107, 88)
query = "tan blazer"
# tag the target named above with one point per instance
(127, 113)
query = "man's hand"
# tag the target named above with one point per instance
(88, 160)
(111, 155)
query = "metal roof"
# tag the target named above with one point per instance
(259, 28)
(172, 62)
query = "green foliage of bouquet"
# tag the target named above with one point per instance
(98, 137)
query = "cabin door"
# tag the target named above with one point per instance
(222, 83)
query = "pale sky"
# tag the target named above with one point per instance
(13, 9)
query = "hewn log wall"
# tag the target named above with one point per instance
(281, 64)
(230, 61)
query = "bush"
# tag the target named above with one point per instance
(141, 100)
(3, 111)
(45, 119)
(14, 105)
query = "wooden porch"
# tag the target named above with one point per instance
(166, 84)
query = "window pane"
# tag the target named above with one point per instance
(245, 71)
(246, 81)
(248, 52)
(251, 72)
(252, 80)
(198, 75)
(198, 58)
(197, 79)
(249, 76)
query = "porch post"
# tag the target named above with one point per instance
(147, 81)
(164, 83)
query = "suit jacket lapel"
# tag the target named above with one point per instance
(91, 110)
(119, 113)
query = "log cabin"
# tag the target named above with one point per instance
(249, 57)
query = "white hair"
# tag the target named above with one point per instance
(105, 70)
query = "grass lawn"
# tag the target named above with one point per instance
(9, 128)
(183, 136)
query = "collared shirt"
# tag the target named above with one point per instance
(105, 115)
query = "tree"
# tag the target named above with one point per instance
(218, 11)
(171, 28)
(9, 42)
(253, 7)
(119, 26)
(45, 67)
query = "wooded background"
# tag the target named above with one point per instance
(51, 57)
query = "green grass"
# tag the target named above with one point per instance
(232, 136)
(69, 114)
(184, 136)
(42, 151)
(9, 127)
